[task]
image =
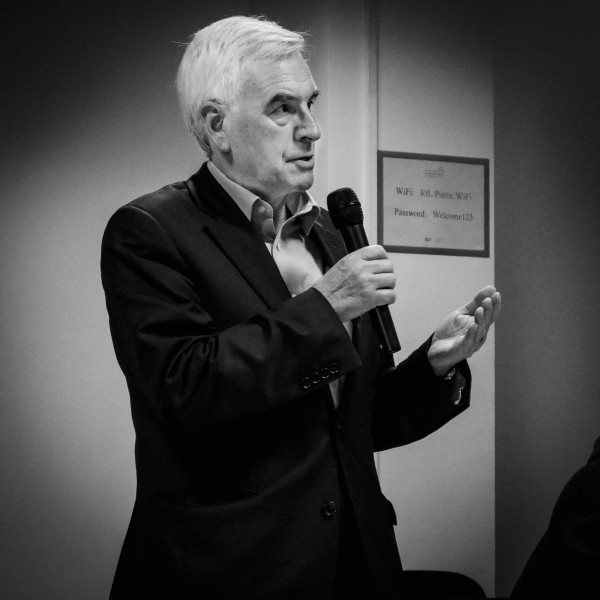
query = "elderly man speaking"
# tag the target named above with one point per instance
(259, 390)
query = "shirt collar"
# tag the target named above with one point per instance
(299, 206)
(241, 196)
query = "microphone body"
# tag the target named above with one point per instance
(346, 214)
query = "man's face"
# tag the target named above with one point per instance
(271, 130)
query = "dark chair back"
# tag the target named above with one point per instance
(440, 585)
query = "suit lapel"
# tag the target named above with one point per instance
(232, 232)
(333, 249)
(328, 239)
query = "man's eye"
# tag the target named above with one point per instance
(283, 109)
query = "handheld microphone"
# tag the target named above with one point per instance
(347, 216)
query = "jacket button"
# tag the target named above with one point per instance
(334, 368)
(316, 377)
(450, 375)
(457, 398)
(305, 383)
(329, 509)
(324, 372)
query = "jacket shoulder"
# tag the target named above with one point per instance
(166, 200)
(172, 205)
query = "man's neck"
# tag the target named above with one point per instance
(224, 166)
(278, 204)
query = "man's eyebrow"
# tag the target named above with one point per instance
(280, 97)
(283, 97)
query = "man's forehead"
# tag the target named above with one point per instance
(268, 76)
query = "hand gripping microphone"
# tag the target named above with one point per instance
(347, 216)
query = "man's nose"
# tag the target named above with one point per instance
(307, 129)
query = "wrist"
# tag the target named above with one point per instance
(440, 368)
(444, 373)
(449, 376)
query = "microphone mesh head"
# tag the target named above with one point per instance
(344, 208)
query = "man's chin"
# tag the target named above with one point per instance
(305, 182)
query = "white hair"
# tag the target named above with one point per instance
(211, 67)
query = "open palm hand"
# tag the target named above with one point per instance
(464, 331)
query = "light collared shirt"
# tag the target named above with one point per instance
(296, 255)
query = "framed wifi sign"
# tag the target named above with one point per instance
(432, 204)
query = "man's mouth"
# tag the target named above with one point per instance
(308, 160)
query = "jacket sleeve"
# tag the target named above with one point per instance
(190, 373)
(411, 401)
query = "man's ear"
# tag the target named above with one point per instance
(213, 115)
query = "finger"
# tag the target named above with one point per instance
(374, 252)
(482, 328)
(491, 306)
(384, 297)
(471, 339)
(496, 306)
(487, 292)
(488, 312)
(380, 266)
(384, 281)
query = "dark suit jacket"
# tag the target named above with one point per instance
(240, 454)
(566, 561)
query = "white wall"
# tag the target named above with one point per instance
(435, 97)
